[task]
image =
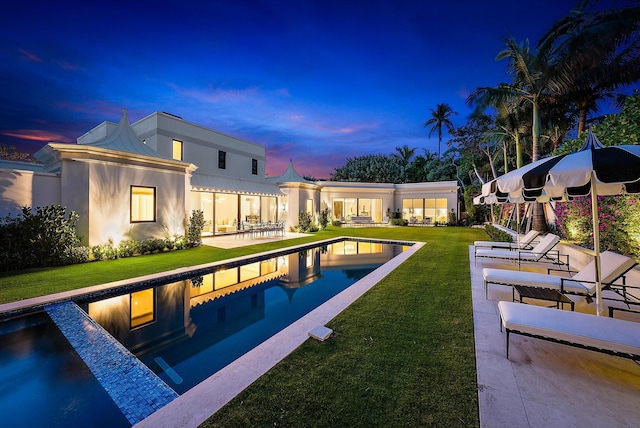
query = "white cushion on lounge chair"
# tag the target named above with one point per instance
(603, 333)
(613, 265)
(535, 254)
(523, 241)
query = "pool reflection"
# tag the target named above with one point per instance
(187, 330)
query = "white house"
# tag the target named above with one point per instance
(143, 180)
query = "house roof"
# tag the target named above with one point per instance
(290, 176)
(124, 139)
(217, 183)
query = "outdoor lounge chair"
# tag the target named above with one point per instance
(601, 334)
(543, 251)
(525, 242)
(613, 267)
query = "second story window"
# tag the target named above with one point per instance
(254, 166)
(222, 159)
(177, 150)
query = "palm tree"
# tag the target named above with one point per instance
(404, 155)
(532, 78)
(440, 117)
(594, 53)
(531, 81)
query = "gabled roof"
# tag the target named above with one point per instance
(124, 139)
(290, 176)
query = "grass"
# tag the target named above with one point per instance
(403, 354)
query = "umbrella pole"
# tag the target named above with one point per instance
(596, 243)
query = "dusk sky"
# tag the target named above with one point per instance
(316, 82)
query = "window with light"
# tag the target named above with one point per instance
(143, 204)
(177, 150)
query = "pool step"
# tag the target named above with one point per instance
(135, 389)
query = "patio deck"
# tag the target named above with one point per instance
(545, 384)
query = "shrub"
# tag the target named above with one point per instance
(399, 222)
(194, 230)
(304, 222)
(619, 222)
(498, 234)
(336, 223)
(128, 248)
(180, 242)
(105, 251)
(324, 219)
(75, 255)
(152, 245)
(43, 236)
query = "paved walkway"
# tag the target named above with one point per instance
(234, 240)
(545, 384)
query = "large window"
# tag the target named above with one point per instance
(436, 209)
(143, 204)
(226, 212)
(222, 159)
(310, 206)
(428, 210)
(177, 150)
(204, 201)
(250, 208)
(269, 208)
(254, 166)
(345, 208)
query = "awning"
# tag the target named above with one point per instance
(220, 184)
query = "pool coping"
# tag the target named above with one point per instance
(200, 402)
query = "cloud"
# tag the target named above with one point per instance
(29, 56)
(216, 95)
(36, 135)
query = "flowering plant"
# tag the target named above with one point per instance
(619, 222)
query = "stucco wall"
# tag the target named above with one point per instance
(20, 188)
(109, 203)
(201, 145)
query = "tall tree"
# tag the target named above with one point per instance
(532, 78)
(594, 53)
(440, 118)
(403, 155)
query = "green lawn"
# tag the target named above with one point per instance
(402, 355)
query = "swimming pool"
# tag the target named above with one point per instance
(187, 329)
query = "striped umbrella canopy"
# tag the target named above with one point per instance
(594, 170)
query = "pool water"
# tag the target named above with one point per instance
(43, 382)
(184, 330)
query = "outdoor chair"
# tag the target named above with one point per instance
(525, 242)
(614, 266)
(542, 252)
(602, 334)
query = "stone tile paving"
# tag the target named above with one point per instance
(135, 389)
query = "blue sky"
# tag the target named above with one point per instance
(313, 81)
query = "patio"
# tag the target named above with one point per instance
(544, 383)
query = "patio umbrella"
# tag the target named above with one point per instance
(594, 169)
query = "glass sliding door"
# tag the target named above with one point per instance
(250, 208)
(226, 212)
(269, 208)
(338, 209)
(204, 201)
